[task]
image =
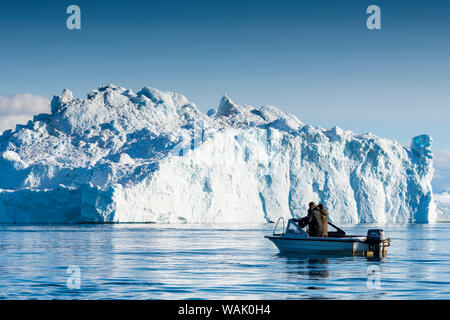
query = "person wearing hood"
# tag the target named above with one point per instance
(324, 214)
(314, 219)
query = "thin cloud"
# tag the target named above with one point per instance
(19, 108)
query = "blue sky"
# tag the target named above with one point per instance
(315, 59)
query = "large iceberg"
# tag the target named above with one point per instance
(152, 156)
(443, 206)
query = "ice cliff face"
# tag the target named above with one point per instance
(443, 206)
(152, 156)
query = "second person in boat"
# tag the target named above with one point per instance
(324, 214)
(314, 219)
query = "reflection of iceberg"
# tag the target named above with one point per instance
(152, 156)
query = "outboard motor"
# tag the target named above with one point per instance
(375, 239)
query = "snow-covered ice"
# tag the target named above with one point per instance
(152, 156)
(443, 206)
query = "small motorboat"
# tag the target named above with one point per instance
(296, 240)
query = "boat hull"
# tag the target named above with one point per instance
(319, 245)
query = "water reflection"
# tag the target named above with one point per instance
(376, 259)
(314, 267)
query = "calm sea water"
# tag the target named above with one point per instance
(213, 262)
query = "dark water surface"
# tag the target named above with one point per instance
(213, 262)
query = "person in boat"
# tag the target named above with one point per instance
(315, 226)
(324, 214)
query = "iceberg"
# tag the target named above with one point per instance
(152, 156)
(442, 201)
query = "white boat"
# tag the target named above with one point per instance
(295, 240)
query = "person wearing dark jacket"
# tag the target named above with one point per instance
(315, 227)
(324, 214)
